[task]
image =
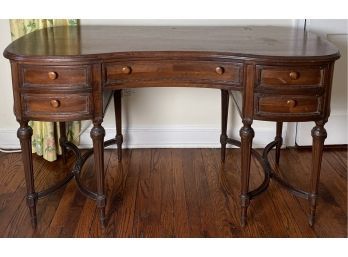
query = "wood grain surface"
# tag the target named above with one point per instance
(84, 42)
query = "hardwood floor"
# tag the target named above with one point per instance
(176, 193)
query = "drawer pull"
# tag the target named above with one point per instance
(126, 70)
(294, 75)
(52, 75)
(55, 103)
(220, 70)
(291, 103)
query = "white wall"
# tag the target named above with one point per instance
(335, 31)
(152, 117)
(6, 100)
(8, 124)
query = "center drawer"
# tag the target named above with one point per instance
(173, 71)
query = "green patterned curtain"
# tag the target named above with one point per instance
(45, 140)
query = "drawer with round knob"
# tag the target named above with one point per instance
(288, 77)
(172, 73)
(57, 106)
(70, 76)
(287, 105)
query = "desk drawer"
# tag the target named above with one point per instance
(178, 71)
(269, 105)
(69, 106)
(55, 75)
(283, 77)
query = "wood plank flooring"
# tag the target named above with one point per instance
(175, 193)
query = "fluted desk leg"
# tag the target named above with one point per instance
(118, 118)
(24, 134)
(97, 135)
(247, 135)
(319, 135)
(279, 140)
(224, 117)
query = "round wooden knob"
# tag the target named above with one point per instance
(294, 75)
(126, 70)
(55, 103)
(52, 75)
(220, 70)
(291, 103)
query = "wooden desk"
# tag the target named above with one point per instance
(280, 74)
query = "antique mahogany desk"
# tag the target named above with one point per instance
(274, 74)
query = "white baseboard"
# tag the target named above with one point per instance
(157, 137)
(8, 139)
(161, 137)
(175, 137)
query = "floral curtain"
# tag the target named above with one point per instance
(45, 140)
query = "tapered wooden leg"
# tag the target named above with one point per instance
(246, 134)
(319, 135)
(118, 118)
(279, 140)
(24, 134)
(224, 116)
(62, 139)
(97, 135)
